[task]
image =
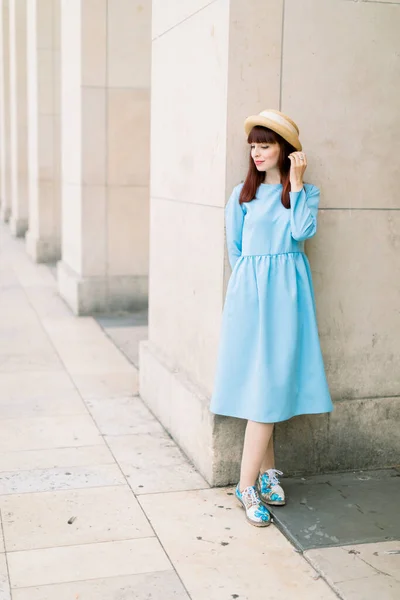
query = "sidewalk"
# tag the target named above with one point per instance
(98, 503)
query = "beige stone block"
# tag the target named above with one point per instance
(128, 137)
(129, 43)
(44, 249)
(188, 147)
(94, 220)
(92, 357)
(162, 586)
(71, 93)
(2, 549)
(360, 571)
(186, 285)
(123, 416)
(44, 359)
(344, 440)
(93, 42)
(45, 82)
(29, 460)
(365, 560)
(46, 148)
(219, 554)
(254, 74)
(359, 332)
(88, 561)
(48, 209)
(47, 432)
(128, 230)
(47, 303)
(370, 588)
(94, 132)
(70, 329)
(60, 478)
(4, 581)
(166, 17)
(38, 394)
(105, 514)
(44, 23)
(152, 462)
(72, 225)
(349, 142)
(107, 384)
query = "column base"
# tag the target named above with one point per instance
(18, 226)
(89, 295)
(345, 440)
(212, 443)
(42, 250)
(5, 213)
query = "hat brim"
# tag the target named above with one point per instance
(261, 121)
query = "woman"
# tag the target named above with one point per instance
(270, 366)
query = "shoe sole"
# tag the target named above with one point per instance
(262, 524)
(267, 503)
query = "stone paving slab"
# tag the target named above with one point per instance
(39, 394)
(48, 432)
(148, 586)
(60, 478)
(79, 456)
(71, 517)
(88, 561)
(341, 508)
(361, 572)
(5, 593)
(152, 462)
(123, 416)
(106, 384)
(219, 556)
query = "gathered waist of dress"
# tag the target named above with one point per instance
(273, 254)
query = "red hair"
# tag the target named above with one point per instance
(263, 135)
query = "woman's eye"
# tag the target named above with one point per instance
(264, 147)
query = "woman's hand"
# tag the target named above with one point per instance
(298, 166)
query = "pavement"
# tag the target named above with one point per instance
(96, 500)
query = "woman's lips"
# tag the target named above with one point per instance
(259, 162)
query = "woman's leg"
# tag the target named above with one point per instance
(256, 443)
(269, 457)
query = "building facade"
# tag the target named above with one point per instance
(121, 137)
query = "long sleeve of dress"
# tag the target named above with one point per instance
(234, 219)
(304, 208)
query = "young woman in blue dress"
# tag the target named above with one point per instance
(270, 365)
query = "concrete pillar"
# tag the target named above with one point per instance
(5, 209)
(199, 103)
(105, 154)
(19, 117)
(43, 241)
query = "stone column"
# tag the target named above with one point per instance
(19, 117)
(43, 238)
(5, 149)
(351, 132)
(105, 154)
(198, 153)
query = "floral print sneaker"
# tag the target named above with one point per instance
(269, 489)
(256, 513)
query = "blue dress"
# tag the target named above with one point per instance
(270, 367)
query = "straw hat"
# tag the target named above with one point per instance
(278, 122)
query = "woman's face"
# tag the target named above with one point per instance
(265, 155)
